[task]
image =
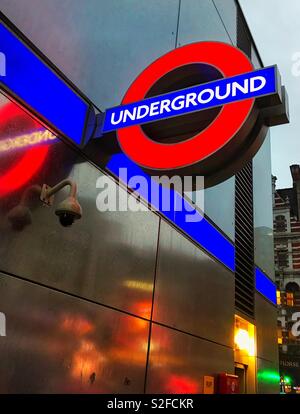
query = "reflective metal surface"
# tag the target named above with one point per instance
(227, 11)
(266, 319)
(224, 194)
(192, 292)
(199, 21)
(113, 43)
(178, 362)
(267, 377)
(263, 210)
(255, 59)
(59, 344)
(104, 256)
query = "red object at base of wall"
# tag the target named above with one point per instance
(228, 384)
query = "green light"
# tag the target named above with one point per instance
(268, 376)
(287, 380)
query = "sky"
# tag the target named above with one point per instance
(275, 27)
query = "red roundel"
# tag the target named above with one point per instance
(229, 61)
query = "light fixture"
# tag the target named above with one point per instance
(244, 337)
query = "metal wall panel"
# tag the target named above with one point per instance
(105, 256)
(178, 362)
(199, 21)
(59, 344)
(266, 321)
(263, 211)
(256, 60)
(227, 10)
(224, 194)
(100, 45)
(193, 292)
(267, 377)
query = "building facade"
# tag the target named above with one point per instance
(126, 302)
(287, 267)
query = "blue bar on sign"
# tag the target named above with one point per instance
(34, 83)
(254, 84)
(265, 286)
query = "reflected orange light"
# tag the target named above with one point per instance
(140, 323)
(86, 361)
(127, 355)
(142, 309)
(77, 325)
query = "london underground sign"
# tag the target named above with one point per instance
(248, 102)
(216, 93)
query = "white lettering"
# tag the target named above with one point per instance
(139, 111)
(204, 101)
(190, 99)
(262, 81)
(164, 106)
(228, 90)
(153, 108)
(236, 86)
(130, 115)
(113, 118)
(180, 100)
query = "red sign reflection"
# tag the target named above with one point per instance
(29, 164)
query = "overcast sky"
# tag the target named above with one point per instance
(275, 26)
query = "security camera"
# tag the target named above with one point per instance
(69, 209)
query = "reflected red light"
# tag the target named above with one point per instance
(12, 112)
(23, 171)
(20, 173)
(181, 385)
